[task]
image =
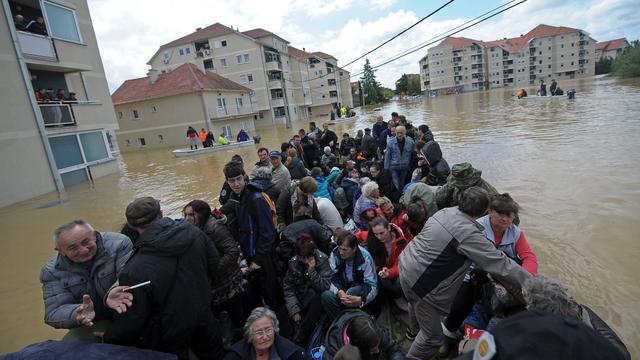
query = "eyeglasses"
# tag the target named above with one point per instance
(263, 332)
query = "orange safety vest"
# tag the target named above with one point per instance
(203, 136)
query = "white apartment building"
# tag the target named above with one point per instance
(281, 79)
(48, 142)
(544, 53)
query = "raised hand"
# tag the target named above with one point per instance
(119, 300)
(85, 312)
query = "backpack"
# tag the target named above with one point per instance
(272, 207)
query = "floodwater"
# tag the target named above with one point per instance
(574, 167)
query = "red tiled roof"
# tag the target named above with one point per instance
(510, 45)
(323, 55)
(543, 30)
(294, 51)
(612, 44)
(208, 32)
(459, 42)
(184, 79)
(257, 33)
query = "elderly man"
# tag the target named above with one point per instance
(172, 313)
(75, 281)
(397, 158)
(263, 161)
(280, 175)
(435, 262)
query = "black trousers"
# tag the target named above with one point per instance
(265, 286)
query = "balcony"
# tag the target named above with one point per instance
(57, 114)
(275, 84)
(37, 46)
(277, 102)
(273, 66)
(457, 59)
(230, 112)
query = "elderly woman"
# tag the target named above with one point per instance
(499, 229)
(353, 277)
(383, 178)
(227, 287)
(308, 276)
(297, 203)
(370, 193)
(262, 341)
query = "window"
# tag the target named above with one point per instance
(226, 131)
(120, 115)
(208, 64)
(242, 59)
(221, 103)
(135, 113)
(142, 142)
(93, 146)
(62, 22)
(223, 43)
(223, 62)
(333, 94)
(181, 51)
(245, 79)
(331, 82)
(253, 97)
(74, 152)
(239, 102)
(161, 139)
(127, 142)
(216, 44)
(154, 109)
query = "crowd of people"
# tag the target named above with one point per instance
(309, 244)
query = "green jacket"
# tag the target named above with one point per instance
(462, 177)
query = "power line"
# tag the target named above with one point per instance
(437, 40)
(400, 33)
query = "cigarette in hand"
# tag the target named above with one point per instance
(137, 285)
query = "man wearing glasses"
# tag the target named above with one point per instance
(75, 281)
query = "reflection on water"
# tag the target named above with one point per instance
(572, 165)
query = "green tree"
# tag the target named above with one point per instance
(370, 86)
(603, 66)
(402, 85)
(628, 64)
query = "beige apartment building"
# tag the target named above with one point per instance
(49, 142)
(425, 80)
(611, 49)
(156, 110)
(544, 53)
(280, 78)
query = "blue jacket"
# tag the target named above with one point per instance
(396, 160)
(364, 274)
(256, 233)
(509, 239)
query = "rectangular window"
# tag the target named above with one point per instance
(74, 177)
(216, 44)
(181, 51)
(120, 115)
(223, 43)
(223, 62)
(243, 79)
(253, 97)
(246, 58)
(66, 151)
(62, 22)
(154, 109)
(226, 131)
(161, 139)
(331, 82)
(187, 50)
(135, 114)
(208, 64)
(221, 103)
(142, 142)
(242, 59)
(93, 146)
(239, 102)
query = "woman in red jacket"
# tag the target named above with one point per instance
(385, 242)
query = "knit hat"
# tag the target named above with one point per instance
(142, 211)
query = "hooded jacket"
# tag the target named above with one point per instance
(336, 334)
(463, 176)
(425, 192)
(433, 265)
(438, 167)
(180, 261)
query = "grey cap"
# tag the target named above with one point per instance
(142, 211)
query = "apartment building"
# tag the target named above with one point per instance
(425, 81)
(156, 110)
(279, 77)
(330, 85)
(611, 49)
(544, 53)
(66, 134)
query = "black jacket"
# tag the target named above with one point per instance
(438, 167)
(346, 145)
(387, 188)
(320, 233)
(296, 169)
(301, 285)
(333, 341)
(328, 136)
(179, 260)
(286, 350)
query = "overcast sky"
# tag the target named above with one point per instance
(129, 32)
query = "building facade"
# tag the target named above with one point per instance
(280, 77)
(156, 111)
(65, 134)
(611, 49)
(544, 53)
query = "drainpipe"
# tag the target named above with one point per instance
(57, 179)
(204, 111)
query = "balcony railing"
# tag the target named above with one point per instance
(273, 65)
(275, 84)
(225, 112)
(277, 102)
(37, 46)
(56, 114)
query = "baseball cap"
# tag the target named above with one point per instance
(274, 153)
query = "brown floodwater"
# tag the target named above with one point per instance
(574, 166)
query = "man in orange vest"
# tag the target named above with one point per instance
(203, 137)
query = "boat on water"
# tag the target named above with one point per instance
(210, 149)
(549, 97)
(354, 117)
